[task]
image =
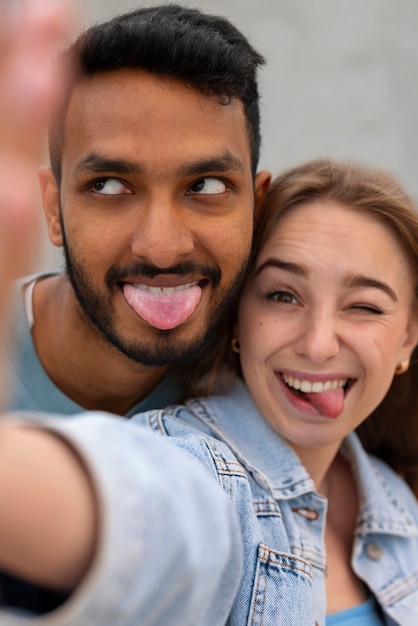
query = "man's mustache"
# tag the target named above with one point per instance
(138, 269)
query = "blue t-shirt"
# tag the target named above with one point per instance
(365, 614)
(31, 389)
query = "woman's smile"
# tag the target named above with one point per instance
(325, 397)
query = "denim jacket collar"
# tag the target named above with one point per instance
(236, 420)
(265, 454)
(380, 511)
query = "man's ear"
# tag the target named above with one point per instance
(50, 201)
(261, 185)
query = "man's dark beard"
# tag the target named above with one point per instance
(166, 349)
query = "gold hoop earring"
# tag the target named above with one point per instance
(235, 345)
(402, 367)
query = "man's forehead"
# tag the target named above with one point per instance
(139, 109)
(143, 85)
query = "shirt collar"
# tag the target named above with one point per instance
(381, 510)
(236, 420)
(265, 454)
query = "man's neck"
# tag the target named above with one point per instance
(77, 357)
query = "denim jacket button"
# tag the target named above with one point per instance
(374, 551)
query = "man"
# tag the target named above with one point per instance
(151, 194)
(113, 513)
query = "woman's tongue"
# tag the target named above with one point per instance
(163, 309)
(329, 403)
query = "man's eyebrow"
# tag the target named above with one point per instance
(98, 163)
(293, 268)
(358, 280)
(222, 163)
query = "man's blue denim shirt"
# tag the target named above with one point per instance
(283, 518)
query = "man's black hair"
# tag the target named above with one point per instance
(204, 51)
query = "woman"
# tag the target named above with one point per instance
(327, 320)
(326, 334)
(376, 193)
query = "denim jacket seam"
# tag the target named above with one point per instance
(201, 412)
(305, 565)
(256, 587)
(156, 421)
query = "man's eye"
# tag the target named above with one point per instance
(109, 187)
(208, 186)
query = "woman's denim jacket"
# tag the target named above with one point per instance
(283, 518)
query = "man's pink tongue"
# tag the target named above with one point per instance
(329, 403)
(163, 310)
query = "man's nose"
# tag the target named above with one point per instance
(163, 234)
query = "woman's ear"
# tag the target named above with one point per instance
(411, 338)
(235, 344)
(50, 201)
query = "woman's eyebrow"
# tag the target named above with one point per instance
(358, 280)
(350, 281)
(293, 268)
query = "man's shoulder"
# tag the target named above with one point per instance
(20, 283)
(21, 306)
(30, 387)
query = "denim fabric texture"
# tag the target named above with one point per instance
(168, 549)
(270, 575)
(174, 550)
(283, 519)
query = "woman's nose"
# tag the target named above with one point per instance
(318, 340)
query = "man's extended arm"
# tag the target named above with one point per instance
(136, 531)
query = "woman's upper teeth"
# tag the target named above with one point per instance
(313, 387)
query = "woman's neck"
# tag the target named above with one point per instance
(318, 462)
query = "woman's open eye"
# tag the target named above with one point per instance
(282, 296)
(109, 187)
(207, 186)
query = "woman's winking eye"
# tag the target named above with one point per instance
(366, 308)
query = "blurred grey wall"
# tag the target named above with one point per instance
(341, 78)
